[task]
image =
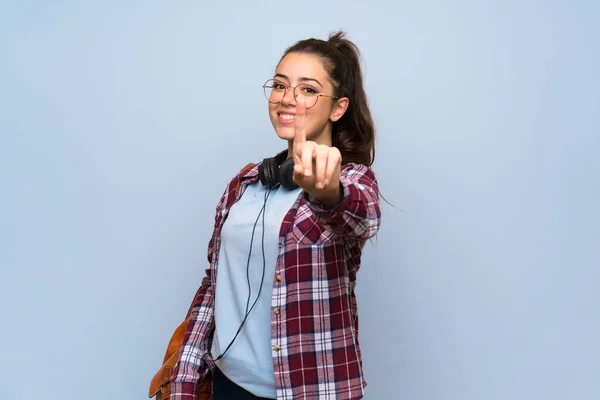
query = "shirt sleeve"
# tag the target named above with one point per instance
(358, 215)
(187, 374)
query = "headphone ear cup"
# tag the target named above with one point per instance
(267, 173)
(261, 172)
(286, 174)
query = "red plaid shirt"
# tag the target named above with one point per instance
(314, 331)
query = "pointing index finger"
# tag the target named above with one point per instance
(300, 125)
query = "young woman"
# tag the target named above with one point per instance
(276, 314)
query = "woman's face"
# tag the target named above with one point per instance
(307, 70)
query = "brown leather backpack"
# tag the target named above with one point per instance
(160, 386)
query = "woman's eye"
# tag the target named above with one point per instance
(308, 90)
(278, 86)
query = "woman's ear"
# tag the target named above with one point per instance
(339, 108)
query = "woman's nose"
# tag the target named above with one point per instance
(288, 97)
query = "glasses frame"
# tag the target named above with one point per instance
(265, 86)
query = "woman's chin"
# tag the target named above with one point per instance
(285, 133)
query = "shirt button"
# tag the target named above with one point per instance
(276, 348)
(278, 278)
(276, 311)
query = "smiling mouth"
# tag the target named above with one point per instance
(286, 118)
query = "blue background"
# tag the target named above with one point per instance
(122, 121)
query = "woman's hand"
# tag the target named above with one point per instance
(316, 166)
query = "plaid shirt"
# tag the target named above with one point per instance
(314, 323)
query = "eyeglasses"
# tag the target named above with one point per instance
(275, 92)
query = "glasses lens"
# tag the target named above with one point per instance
(308, 93)
(273, 91)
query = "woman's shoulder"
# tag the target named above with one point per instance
(249, 171)
(356, 169)
(248, 168)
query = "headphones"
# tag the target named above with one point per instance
(276, 170)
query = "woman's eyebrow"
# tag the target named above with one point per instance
(303, 79)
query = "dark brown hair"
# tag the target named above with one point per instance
(354, 133)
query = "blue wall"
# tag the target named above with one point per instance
(121, 122)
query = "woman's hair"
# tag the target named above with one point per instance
(354, 133)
